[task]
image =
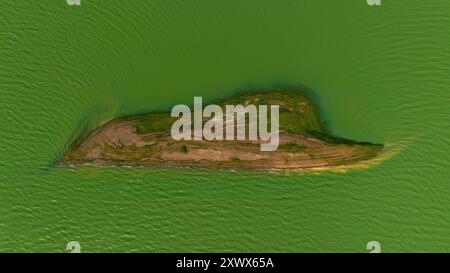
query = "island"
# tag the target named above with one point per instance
(146, 141)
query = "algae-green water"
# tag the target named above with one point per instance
(379, 74)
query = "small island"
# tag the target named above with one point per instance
(145, 141)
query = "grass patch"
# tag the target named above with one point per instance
(120, 144)
(292, 147)
(184, 149)
(154, 123)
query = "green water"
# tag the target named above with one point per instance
(381, 74)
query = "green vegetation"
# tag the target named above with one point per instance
(292, 147)
(120, 144)
(153, 123)
(298, 113)
(184, 149)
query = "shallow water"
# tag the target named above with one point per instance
(380, 74)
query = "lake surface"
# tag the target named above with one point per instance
(380, 74)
